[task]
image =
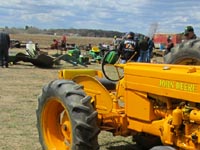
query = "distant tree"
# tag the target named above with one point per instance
(26, 27)
(71, 31)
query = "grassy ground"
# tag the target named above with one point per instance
(46, 40)
(20, 86)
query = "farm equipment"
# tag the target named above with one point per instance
(37, 58)
(43, 60)
(15, 43)
(97, 52)
(74, 56)
(155, 103)
(94, 53)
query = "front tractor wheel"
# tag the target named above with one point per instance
(66, 119)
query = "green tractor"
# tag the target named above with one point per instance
(43, 60)
(97, 52)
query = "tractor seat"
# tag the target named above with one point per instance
(109, 85)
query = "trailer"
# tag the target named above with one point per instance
(160, 39)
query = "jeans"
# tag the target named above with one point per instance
(149, 55)
(143, 56)
(123, 61)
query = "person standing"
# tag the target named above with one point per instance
(4, 48)
(114, 42)
(143, 49)
(170, 45)
(128, 48)
(64, 41)
(54, 45)
(151, 46)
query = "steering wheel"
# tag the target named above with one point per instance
(109, 66)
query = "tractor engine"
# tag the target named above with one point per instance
(181, 121)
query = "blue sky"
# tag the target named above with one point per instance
(141, 16)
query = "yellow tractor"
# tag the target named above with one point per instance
(155, 103)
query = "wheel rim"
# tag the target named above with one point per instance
(56, 125)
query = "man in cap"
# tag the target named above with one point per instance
(128, 48)
(189, 33)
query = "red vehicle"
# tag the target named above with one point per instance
(160, 39)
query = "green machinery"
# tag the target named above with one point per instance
(94, 53)
(43, 60)
(97, 53)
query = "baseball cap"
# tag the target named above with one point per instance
(188, 29)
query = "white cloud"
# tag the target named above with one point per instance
(136, 15)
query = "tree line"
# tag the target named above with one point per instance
(71, 32)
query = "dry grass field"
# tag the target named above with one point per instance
(45, 40)
(20, 86)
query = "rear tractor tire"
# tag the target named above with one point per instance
(66, 120)
(186, 53)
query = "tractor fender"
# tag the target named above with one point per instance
(101, 98)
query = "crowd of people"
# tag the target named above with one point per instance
(134, 49)
(62, 43)
(131, 48)
(140, 50)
